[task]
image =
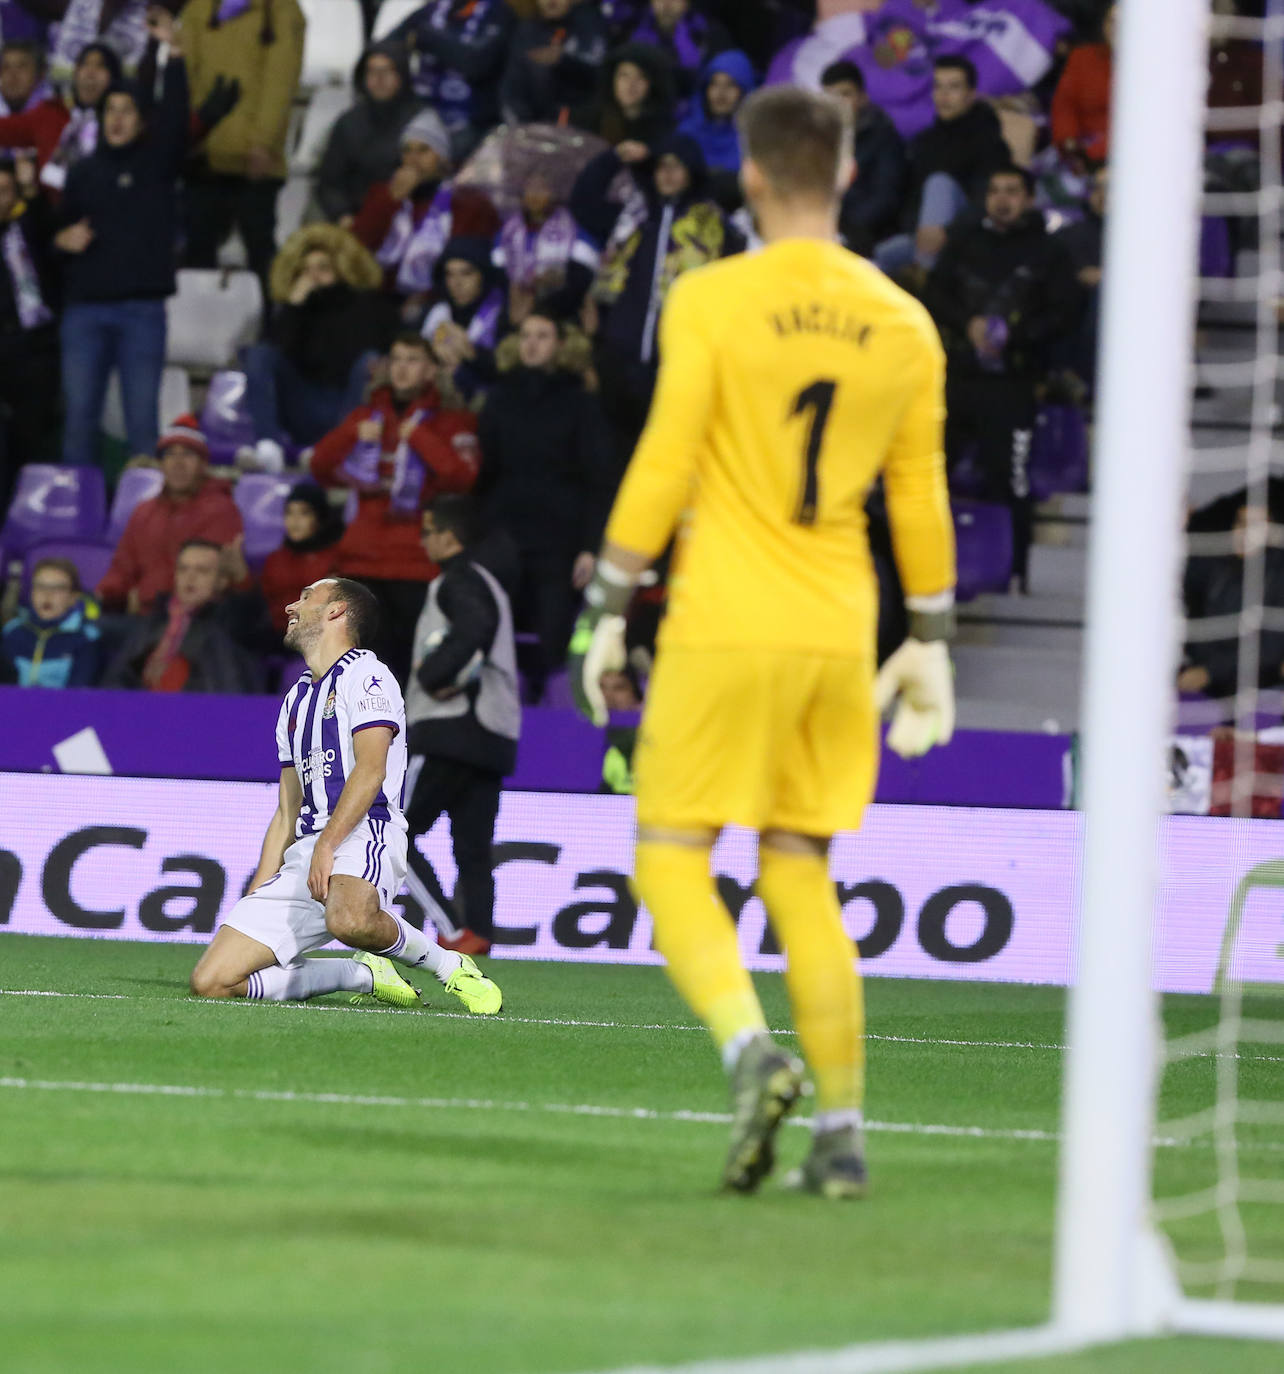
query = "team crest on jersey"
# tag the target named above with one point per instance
(328, 712)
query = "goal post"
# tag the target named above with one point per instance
(1108, 1280)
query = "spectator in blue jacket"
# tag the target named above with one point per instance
(726, 80)
(871, 206)
(458, 49)
(120, 226)
(54, 642)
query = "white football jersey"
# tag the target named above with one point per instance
(315, 729)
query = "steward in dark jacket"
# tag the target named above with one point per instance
(364, 146)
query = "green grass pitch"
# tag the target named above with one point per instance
(195, 1186)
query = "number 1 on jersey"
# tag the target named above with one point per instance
(814, 401)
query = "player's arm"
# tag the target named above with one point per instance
(370, 745)
(652, 497)
(280, 831)
(918, 676)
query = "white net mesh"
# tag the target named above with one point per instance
(1219, 1166)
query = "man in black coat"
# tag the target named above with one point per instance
(1001, 292)
(949, 166)
(463, 720)
(364, 146)
(546, 479)
(871, 206)
(119, 215)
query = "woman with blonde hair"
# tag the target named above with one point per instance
(329, 321)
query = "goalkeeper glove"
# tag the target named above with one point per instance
(597, 644)
(919, 679)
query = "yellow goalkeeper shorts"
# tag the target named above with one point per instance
(759, 738)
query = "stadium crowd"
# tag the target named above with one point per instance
(470, 303)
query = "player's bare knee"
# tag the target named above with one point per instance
(205, 982)
(353, 917)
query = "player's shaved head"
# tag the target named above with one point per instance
(362, 608)
(800, 141)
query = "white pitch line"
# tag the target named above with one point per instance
(487, 1104)
(565, 1021)
(190, 1090)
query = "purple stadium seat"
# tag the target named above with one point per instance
(260, 496)
(53, 502)
(965, 475)
(1059, 453)
(135, 486)
(983, 534)
(1216, 258)
(225, 419)
(91, 560)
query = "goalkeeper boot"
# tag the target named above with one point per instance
(389, 986)
(476, 992)
(835, 1168)
(765, 1084)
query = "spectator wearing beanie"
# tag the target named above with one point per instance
(258, 43)
(553, 61)
(190, 505)
(33, 117)
(96, 68)
(312, 529)
(468, 320)
(329, 324)
(364, 146)
(120, 216)
(397, 452)
(457, 50)
(407, 220)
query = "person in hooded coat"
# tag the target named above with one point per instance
(638, 250)
(468, 319)
(364, 146)
(724, 83)
(635, 100)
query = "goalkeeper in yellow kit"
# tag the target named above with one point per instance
(789, 380)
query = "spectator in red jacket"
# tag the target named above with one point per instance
(33, 117)
(397, 452)
(191, 505)
(1081, 102)
(407, 221)
(309, 553)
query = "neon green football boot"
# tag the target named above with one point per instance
(478, 994)
(389, 986)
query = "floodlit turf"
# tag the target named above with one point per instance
(189, 1185)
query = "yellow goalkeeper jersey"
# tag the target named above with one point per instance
(789, 379)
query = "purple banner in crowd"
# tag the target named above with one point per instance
(1011, 43)
(232, 738)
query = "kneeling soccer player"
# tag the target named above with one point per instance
(790, 379)
(334, 855)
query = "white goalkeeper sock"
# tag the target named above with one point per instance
(308, 978)
(414, 949)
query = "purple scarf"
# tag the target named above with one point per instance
(527, 254)
(687, 39)
(78, 139)
(82, 24)
(408, 473)
(412, 250)
(27, 296)
(483, 328)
